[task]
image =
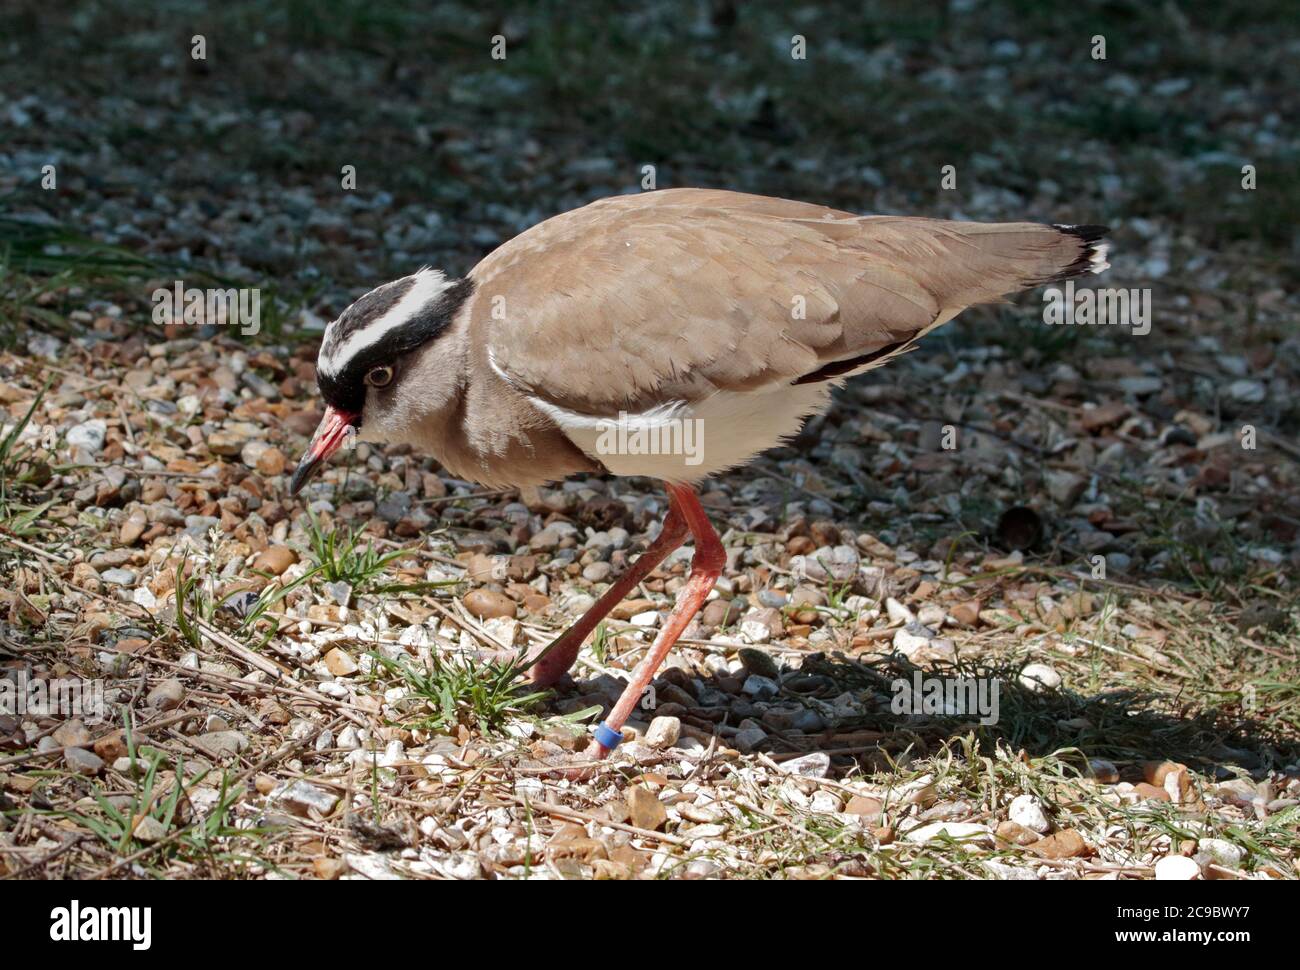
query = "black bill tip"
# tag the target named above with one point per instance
(304, 473)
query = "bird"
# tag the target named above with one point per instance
(673, 334)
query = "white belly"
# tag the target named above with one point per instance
(688, 441)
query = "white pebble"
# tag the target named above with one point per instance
(1177, 868)
(1028, 811)
(1039, 678)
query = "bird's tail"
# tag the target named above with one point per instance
(1091, 252)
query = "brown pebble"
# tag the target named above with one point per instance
(275, 560)
(1065, 844)
(340, 664)
(488, 603)
(719, 613)
(630, 608)
(1154, 772)
(1147, 792)
(537, 603)
(866, 806)
(1015, 833)
(966, 613)
(72, 733)
(484, 569)
(800, 546)
(132, 529)
(271, 462)
(645, 808)
(111, 747)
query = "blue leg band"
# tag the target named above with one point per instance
(607, 736)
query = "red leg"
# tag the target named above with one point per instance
(706, 567)
(550, 663)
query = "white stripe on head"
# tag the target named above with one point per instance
(428, 286)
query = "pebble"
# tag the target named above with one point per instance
(1028, 811)
(648, 619)
(393, 507)
(1065, 488)
(911, 640)
(83, 762)
(1140, 385)
(302, 797)
(663, 731)
(597, 572)
(340, 664)
(1218, 852)
(645, 810)
(866, 806)
(167, 696)
(966, 613)
(719, 613)
(814, 765)
(549, 538)
(149, 829)
(71, 734)
(89, 435)
(760, 688)
(227, 444)
(838, 563)
(932, 616)
(759, 662)
(133, 528)
(503, 629)
(485, 603)
(809, 721)
(221, 744)
(897, 612)
(1176, 868)
(275, 560)
(826, 803)
(1104, 771)
(1248, 391)
(1039, 678)
(118, 577)
(575, 602)
(1065, 844)
(1015, 833)
(809, 596)
(747, 739)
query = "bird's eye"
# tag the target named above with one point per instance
(379, 376)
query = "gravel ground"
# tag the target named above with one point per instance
(1104, 524)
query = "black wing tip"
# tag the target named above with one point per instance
(1092, 254)
(1089, 234)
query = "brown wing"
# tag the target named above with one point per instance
(636, 300)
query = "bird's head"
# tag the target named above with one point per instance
(368, 370)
